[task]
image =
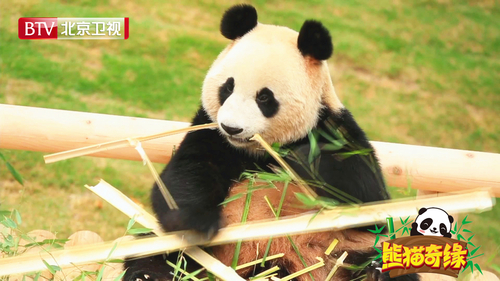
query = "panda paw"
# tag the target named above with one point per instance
(206, 222)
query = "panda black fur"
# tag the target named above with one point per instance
(273, 81)
(432, 222)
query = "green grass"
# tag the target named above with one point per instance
(416, 72)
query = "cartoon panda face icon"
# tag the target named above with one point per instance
(432, 222)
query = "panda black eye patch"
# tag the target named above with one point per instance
(426, 223)
(225, 90)
(268, 105)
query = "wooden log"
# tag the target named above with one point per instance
(438, 169)
(39, 236)
(53, 130)
(50, 130)
(337, 219)
(83, 237)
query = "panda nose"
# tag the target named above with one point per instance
(231, 130)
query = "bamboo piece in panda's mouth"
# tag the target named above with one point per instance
(55, 157)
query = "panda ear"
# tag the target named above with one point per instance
(315, 40)
(450, 218)
(421, 211)
(237, 21)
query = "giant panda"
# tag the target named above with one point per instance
(273, 81)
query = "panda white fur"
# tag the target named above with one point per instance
(432, 222)
(273, 81)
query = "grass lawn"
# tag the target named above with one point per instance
(415, 72)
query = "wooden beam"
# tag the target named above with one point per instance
(51, 130)
(337, 219)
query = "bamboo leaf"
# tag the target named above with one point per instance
(119, 277)
(304, 199)
(131, 223)
(101, 273)
(52, 268)
(464, 221)
(15, 173)
(377, 230)
(314, 150)
(471, 253)
(210, 276)
(8, 222)
(135, 231)
(471, 258)
(333, 146)
(244, 217)
(17, 215)
(112, 250)
(316, 214)
(4, 213)
(478, 268)
(466, 230)
(460, 237)
(469, 264)
(12, 170)
(230, 199)
(296, 249)
(37, 276)
(468, 240)
(406, 230)
(192, 275)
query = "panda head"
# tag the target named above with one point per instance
(269, 80)
(433, 222)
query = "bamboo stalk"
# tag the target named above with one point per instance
(300, 183)
(185, 273)
(120, 201)
(337, 219)
(266, 273)
(338, 263)
(161, 186)
(51, 158)
(332, 246)
(305, 270)
(259, 261)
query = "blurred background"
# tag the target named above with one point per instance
(413, 72)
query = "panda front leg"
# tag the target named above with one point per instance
(198, 176)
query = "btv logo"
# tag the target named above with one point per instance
(37, 28)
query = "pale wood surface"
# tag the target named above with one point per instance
(49, 130)
(52, 130)
(340, 218)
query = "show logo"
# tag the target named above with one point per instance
(429, 248)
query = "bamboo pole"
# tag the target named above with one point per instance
(340, 218)
(53, 130)
(50, 130)
(116, 198)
